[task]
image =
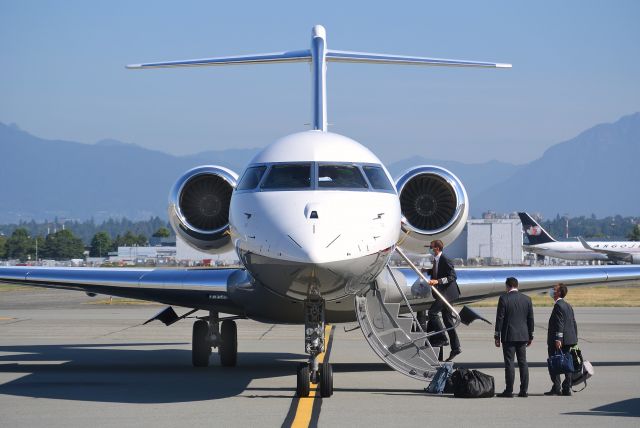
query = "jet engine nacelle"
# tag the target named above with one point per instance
(434, 205)
(199, 207)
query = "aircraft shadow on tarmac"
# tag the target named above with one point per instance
(630, 408)
(120, 374)
(116, 373)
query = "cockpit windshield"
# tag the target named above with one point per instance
(315, 176)
(251, 177)
(377, 178)
(341, 176)
(296, 176)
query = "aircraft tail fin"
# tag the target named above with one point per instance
(534, 232)
(318, 55)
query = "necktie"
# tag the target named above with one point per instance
(435, 268)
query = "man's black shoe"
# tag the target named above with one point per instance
(523, 394)
(552, 392)
(453, 354)
(505, 394)
(566, 392)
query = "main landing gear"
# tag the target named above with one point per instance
(314, 338)
(208, 333)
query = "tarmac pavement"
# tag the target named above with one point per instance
(65, 362)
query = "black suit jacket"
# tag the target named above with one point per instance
(562, 325)
(446, 276)
(514, 319)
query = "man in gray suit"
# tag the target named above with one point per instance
(514, 328)
(561, 335)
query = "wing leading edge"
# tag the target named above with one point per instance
(478, 284)
(206, 289)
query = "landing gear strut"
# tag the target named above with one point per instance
(207, 334)
(314, 339)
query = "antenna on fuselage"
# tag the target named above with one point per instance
(318, 55)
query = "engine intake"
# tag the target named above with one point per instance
(434, 205)
(199, 207)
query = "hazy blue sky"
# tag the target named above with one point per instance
(576, 64)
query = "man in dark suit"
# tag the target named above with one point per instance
(443, 278)
(514, 328)
(561, 335)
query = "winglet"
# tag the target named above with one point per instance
(585, 244)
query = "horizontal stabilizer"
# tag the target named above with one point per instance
(376, 58)
(264, 58)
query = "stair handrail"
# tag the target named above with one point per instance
(434, 289)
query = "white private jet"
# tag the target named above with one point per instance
(539, 241)
(314, 218)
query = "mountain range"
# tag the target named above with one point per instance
(597, 172)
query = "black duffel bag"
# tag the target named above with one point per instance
(472, 384)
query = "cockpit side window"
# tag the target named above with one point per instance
(251, 178)
(295, 176)
(378, 178)
(341, 176)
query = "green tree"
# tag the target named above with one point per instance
(634, 235)
(3, 242)
(142, 241)
(129, 239)
(100, 244)
(20, 245)
(163, 232)
(63, 245)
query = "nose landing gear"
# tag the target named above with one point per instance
(314, 338)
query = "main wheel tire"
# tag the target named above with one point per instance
(228, 349)
(200, 348)
(326, 380)
(303, 387)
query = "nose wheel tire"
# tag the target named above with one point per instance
(200, 347)
(303, 387)
(228, 349)
(326, 380)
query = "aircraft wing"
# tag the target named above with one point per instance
(479, 283)
(206, 289)
(613, 255)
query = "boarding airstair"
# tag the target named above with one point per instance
(392, 335)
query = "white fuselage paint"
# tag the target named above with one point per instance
(576, 251)
(348, 243)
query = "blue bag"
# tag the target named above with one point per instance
(439, 380)
(560, 363)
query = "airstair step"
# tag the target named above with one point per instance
(390, 336)
(405, 323)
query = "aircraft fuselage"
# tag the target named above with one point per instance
(315, 211)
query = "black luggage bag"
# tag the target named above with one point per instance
(472, 384)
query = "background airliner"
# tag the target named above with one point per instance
(314, 218)
(539, 241)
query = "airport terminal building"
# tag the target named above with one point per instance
(489, 241)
